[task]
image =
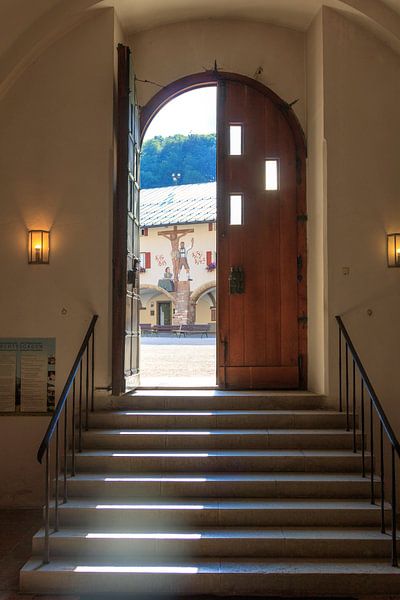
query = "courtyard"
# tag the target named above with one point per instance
(172, 361)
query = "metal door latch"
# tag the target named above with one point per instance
(132, 273)
(236, 280)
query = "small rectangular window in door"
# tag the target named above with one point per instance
(236, 209)
(271, 175)
(235, 140)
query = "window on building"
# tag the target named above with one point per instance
(145, 260)
(144, 231)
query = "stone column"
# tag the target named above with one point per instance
(184, 310)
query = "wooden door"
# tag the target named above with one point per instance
(125, 365)
(258, 325)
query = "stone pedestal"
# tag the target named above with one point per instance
(184, 310)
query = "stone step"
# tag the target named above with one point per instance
(275, 542)
(224, 577)
(224, 485)
(210, 400)
(211, 460)
(218, 512)
(217, 438)
(283, 419)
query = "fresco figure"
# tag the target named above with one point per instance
(174, 235)
(183, 259)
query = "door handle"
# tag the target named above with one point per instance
(236, 280)
(132, 273)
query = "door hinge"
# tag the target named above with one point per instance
(302, 218)
(300, 362)
(303, 320)
(299, 268)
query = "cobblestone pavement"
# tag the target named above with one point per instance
(190, 363)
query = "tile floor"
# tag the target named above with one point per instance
(16, 530)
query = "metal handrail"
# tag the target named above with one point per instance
(64, 394)
(350, 385)
(378, 406)
(80, 393)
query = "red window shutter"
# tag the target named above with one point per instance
(146, 231)
(208, 257)
(148, 260)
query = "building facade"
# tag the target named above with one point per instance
(178, 255)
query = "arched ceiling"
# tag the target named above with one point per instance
(297, 14)
(146, 14)
(27, 27)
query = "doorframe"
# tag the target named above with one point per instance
(159, 302)
(212, 78)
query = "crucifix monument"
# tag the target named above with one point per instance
(179, 253)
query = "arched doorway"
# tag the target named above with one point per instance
(261, 232)
(270, 350)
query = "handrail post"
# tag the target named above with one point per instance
(73, 442)
(371, 433)
(394, 511)
(362, 428)
(87, 391)
(57, 471)
(92, 399)
(354, 408)
(65, 467)
(383, 529)
(340, 372)
(46, 553)
(80, 409)
(347, 387)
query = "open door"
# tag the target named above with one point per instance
(260, 179)
(125, 360)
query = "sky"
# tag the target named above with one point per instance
(191, 112)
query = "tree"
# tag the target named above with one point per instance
(192, 156)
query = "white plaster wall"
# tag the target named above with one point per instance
(362, 128)
(21, 475)
(55, 169)
(167, 53)
(316, 209)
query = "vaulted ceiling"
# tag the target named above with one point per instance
(28, 26)
(296, 14)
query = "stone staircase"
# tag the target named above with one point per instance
(216, 493)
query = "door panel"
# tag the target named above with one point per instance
(125, 364)
(258, 329)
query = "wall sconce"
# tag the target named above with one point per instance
(38, 247)
(393, 249)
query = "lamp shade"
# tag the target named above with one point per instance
(393, 250)
(38, 247)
